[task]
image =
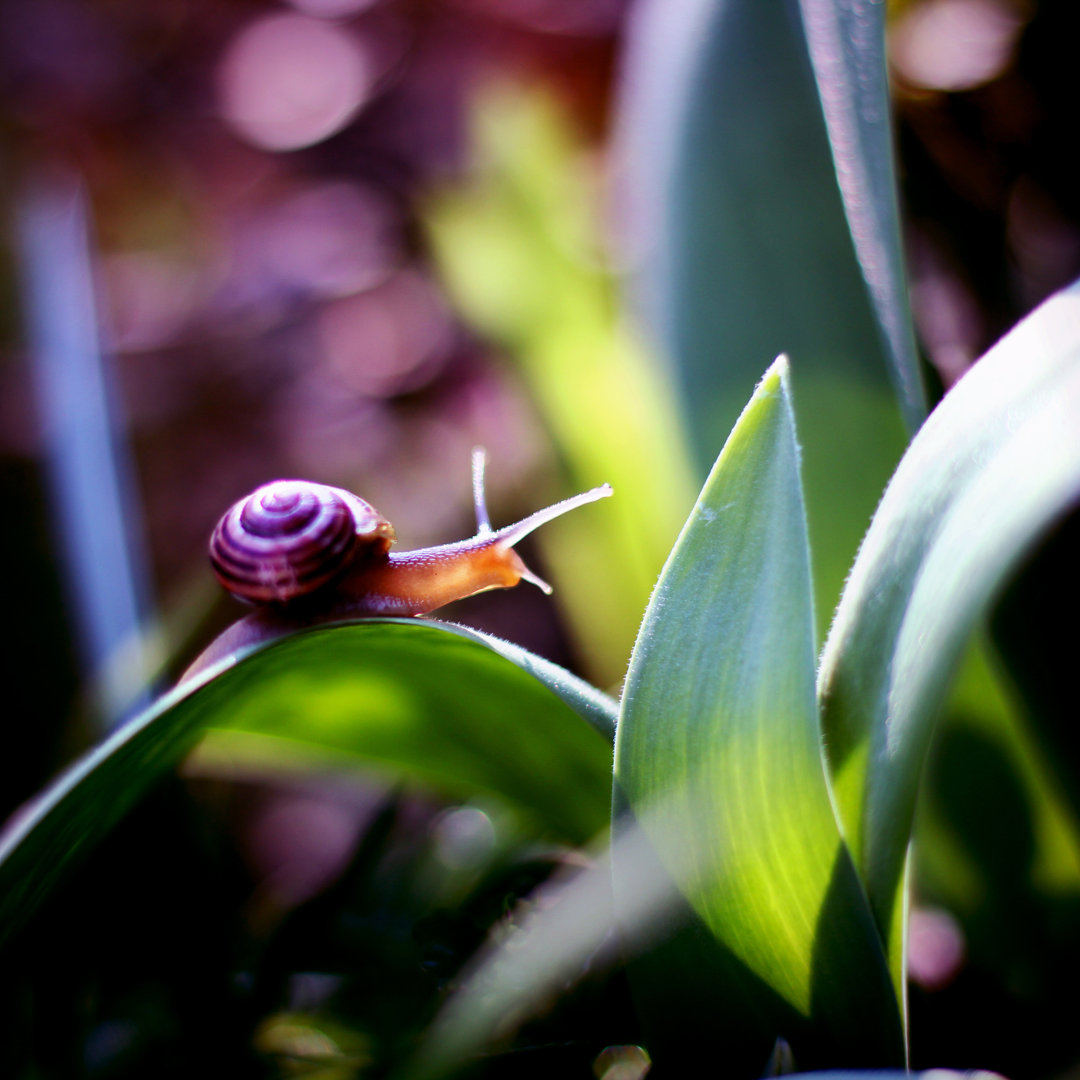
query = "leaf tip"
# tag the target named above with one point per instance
(777, 376)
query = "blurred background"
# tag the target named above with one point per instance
(254, 188)
(324, 238)
(349, 239)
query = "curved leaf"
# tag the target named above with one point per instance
(718, 758)
(993, 466)
(452, 707)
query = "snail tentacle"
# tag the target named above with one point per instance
(291, 540)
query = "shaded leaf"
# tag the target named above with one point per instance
(993, 466)
(436, 702)
(744, 250)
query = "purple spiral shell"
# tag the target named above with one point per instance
(291, 537)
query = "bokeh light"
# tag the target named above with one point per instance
(288, 81)
(388, 340)
(324, 239)
(621, 1063)
(464, 838)
(935, 948)
(332, 9)
(954, 44)
(298, 841)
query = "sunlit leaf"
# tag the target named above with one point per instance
(993, 466)
(438, 703)
(718, 758)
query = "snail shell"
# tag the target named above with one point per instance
(291, 537)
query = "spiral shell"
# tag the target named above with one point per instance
(291, 537)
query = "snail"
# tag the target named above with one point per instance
(292, 543)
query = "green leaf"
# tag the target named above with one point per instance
(994, 465)
(745, 249)
(522, 256)
(846, 42)
(451, 707)
(718, 757)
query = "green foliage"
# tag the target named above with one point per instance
(748, 251)
(522, 256)
(719, 742)
(756, 875)
(939, 548)
(426, 700)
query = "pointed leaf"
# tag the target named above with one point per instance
(718, 757)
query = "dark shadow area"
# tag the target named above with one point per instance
(1034, 629)
(169, 954)
(37, 653)
(870, 1015)
(129, 970)
(1016, 994)
(701, 1004)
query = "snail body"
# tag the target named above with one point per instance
(293, 543)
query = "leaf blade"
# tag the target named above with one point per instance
(846, 43)
(718, 758)
(993, 466)
(745, 250)
(553, 760)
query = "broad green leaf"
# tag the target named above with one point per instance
(993, 466)
(456, 709)
(744, 250)
(718, 758)
(521, 253)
